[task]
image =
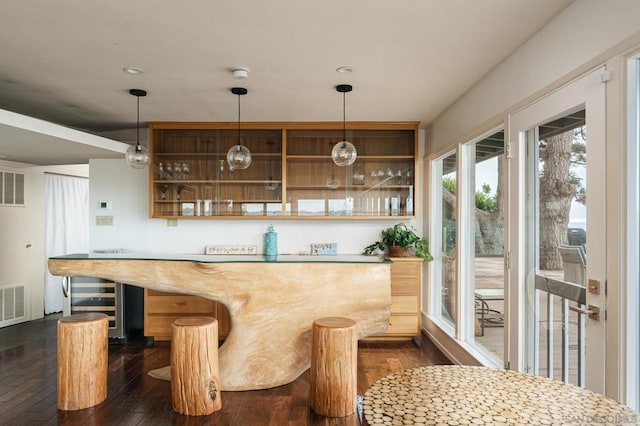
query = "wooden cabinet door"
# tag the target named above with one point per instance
(162, 309)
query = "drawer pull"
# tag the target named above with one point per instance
(180, 304)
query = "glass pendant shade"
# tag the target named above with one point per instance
(137, 156)
(344, 154)
(239, 157)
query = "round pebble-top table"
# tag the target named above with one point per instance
(465, 395)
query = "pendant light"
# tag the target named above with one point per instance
(344, 153)
(137, 156)
(238, 156)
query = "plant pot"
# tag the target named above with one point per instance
(397, 251)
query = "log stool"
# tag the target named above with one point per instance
(195, 380)
(334, 367)
(83, 341)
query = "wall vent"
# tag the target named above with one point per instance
(12, 306)
(11, 189)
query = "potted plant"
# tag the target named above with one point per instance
(401, 241)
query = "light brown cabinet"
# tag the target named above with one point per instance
(161, 309)
(406, 294)
(291, 174)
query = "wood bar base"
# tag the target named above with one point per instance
(83, 342)
(195, 379)
(334, 367)
(279, 300)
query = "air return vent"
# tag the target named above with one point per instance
(11, 304)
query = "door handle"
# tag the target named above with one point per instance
(65, 286)
(592, 311)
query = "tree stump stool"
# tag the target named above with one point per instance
(334, 367)
(83, 342)
(195, 380)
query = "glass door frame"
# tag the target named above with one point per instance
(587, 91)
(630, 300)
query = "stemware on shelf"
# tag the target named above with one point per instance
(179, 189)
(163, 191)
(177, 170)
(221, 169)
(333, 182)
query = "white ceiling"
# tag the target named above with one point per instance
(63, 61)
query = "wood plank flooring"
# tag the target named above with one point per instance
(28, 385)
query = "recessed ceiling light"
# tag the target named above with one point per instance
(240, 73)
(345, 69)
(133, 70)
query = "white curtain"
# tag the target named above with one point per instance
(66, 228)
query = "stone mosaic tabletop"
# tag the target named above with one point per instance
(465, 395)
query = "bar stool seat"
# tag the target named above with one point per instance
(334, 367)
(83, 342)
(195, 377)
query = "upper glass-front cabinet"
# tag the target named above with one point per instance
(291, 174)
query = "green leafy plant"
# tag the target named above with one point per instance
(401, 235)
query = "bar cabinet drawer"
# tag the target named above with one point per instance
(180, 305)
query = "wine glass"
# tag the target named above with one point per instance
(333, 182)
(169, 170)
(163, 191)
(358, 178)
(221, 169)
(160, 171)
(390, 176)
(185, 170)
(177, 170)
(374, 176)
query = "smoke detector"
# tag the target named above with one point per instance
(240, 73)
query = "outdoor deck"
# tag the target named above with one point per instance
(489, 274)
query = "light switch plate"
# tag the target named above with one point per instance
(104, 220)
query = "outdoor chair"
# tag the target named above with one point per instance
(574, 264)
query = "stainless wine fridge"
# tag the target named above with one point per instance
(84, 295)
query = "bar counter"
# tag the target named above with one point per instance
(272, 301)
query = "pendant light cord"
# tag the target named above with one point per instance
(138, 126)
(344, 118)
(238, 122)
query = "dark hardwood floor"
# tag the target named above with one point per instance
(28, 384)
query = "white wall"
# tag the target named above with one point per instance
(22, 253)
(581, 36)
(126, 188)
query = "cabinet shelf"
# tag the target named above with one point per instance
(360, 157)
(190, 200)
(292, 162)
(222, 155)
(354, 188)
(224, 182)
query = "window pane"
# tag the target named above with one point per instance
(19, 188)
(449, 232)
(487, 237)
(8, 188)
